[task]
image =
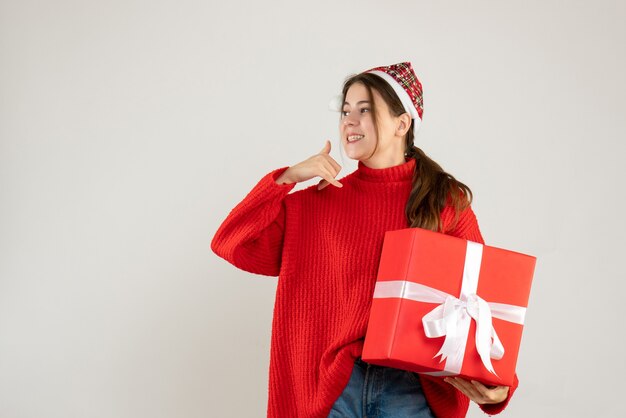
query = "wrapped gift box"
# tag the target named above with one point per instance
(433, 291)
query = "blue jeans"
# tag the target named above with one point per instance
(381, 392)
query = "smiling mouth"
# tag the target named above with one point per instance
(355, 138)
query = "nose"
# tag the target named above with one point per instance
(349, 120)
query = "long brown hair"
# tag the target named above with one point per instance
(432, 187)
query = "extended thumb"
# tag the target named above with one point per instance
(326, 148)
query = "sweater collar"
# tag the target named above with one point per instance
(401, 172)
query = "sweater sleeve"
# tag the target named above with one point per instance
(467, 228)
(251, 236)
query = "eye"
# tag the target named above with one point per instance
(344, 112)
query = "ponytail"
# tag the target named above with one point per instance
(431, 191)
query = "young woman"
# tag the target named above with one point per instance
(324, 243)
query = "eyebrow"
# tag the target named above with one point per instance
(362, 101)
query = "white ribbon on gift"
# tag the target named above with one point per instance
(453, 315)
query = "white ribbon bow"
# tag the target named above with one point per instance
(453, 315)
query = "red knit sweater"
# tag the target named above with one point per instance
(325, 247)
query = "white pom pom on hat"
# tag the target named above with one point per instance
(335, 103)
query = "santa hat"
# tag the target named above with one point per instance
(405, 83)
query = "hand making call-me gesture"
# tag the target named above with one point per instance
(322, 165)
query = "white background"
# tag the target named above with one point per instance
(129, 129)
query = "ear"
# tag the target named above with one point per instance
(403, 124)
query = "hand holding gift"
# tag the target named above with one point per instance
(478, 392)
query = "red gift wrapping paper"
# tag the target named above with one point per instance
(395, 334)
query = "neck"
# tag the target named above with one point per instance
(386, 162)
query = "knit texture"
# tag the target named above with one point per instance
(325, 246)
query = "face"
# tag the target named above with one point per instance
(356, 119)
